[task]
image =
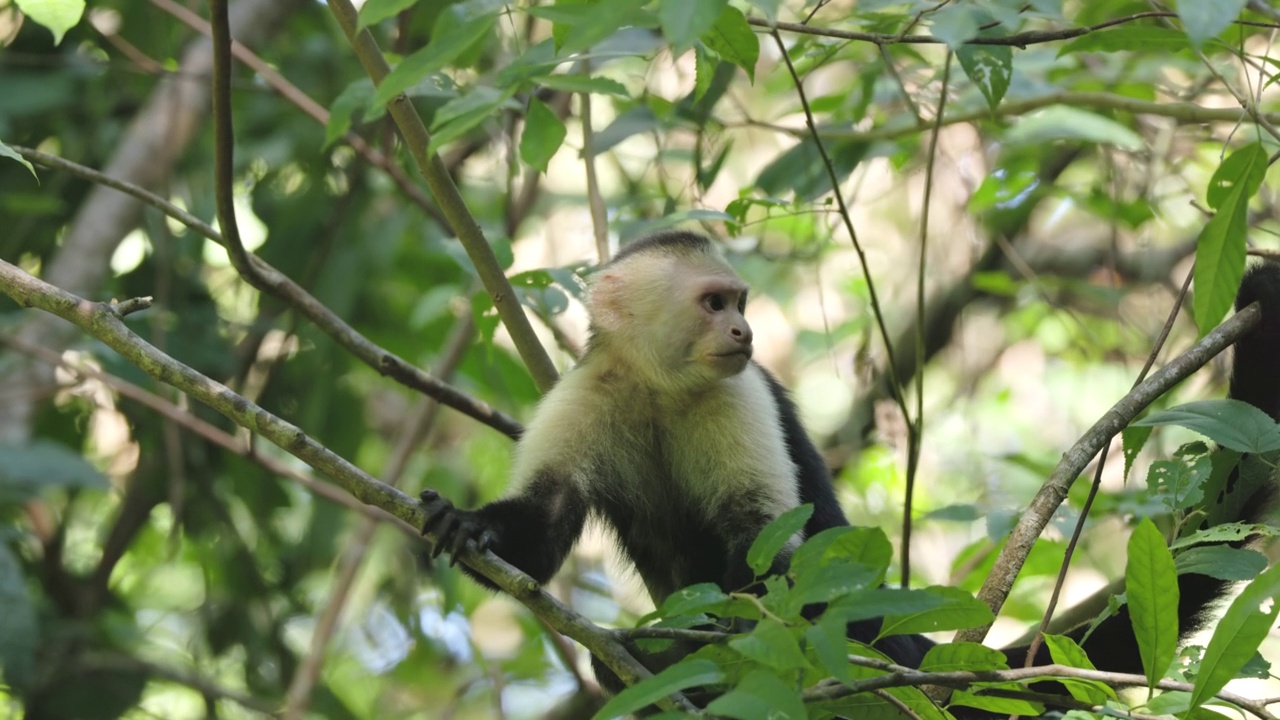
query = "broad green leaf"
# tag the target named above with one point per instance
(1178, 483)
(1230, 423)
(1065, 651)
(770, 643)
(1220, 248)
(583, 84)
(683, 22)
(1203, 19)
(958, 610)
(957, 24)
(1132, 439)
(447, 44)
(29, 469)
(353, 99)
(866, 546)
(1151, 584)
(543, 133)
(990, 67)
(760, 696)
(19, 627)
(995, 704)
(460, 115)
(733, 40)
(58, 16)
(1238, 634)
(882, 601)
(6, 151)
(689, 600)
(831, 580)
(375, 11)
(801, 170)
(681, 676)
(579, 26)
(827, 638)
(1127, 37)
(1247, 166)
(1226, 532)
(1061, 122)
(957, 656)
(1222, 562)
(704, 71)
(775, 535)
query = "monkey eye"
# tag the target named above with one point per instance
(742, 303)
(713, 302)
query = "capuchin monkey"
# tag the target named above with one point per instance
(686, 448)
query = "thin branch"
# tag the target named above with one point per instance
(1078, 531)
(209, 432)
(442, 187)
(846, 218)
(298, 298)
(1020, 40)
(312, 109)
(1054, 491)
(1183, 112)
(99, 321)
(207, 688)
(595, 202)
(900, 676)
(915, 426)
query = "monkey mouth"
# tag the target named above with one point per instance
(744, 353)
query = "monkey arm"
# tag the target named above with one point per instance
(533, 530)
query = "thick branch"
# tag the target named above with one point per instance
(102, 322)
(442, 187)
(1054, 491)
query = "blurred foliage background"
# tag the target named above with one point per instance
(156, 561)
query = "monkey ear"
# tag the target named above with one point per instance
(606, 302)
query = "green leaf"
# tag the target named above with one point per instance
(760, 696)
(1132, 439)
(683, 22)
(961, 656)
(1203, 19)
(19, 627)
(29, 469)
(802, 171)
(543, 133)
(1238, 635)
(1177, 483)
(771, 644)
(353, 99)
(58, 16)
(1065, 651)
(6, 151)
(733, 40)
(1151, 584)
(996, 704)
(447, 44)
(882, 601)
(1230, 423)
(690, 600)
(990, 67)
(775, 535)
(583, 84)
(866, 546)
(1247, 166)
(461, 114)
(681, 676)
(1222, 562)
(958, 610)
(827, 638)
(1220, 248)
(832, 580)
(1127, 37)
(1061, 122)
(956, 24)
(375, 11)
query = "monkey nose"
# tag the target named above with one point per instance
(741, 334)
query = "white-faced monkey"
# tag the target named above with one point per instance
(669, 433)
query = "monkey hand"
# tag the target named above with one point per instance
(454, 529)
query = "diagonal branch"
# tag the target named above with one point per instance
(104, 322)
(414, 133)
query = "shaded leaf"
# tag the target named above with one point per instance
(681, 676)
(1151, 585)
(1238, 635)
(775, 535)
(1230, 423)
